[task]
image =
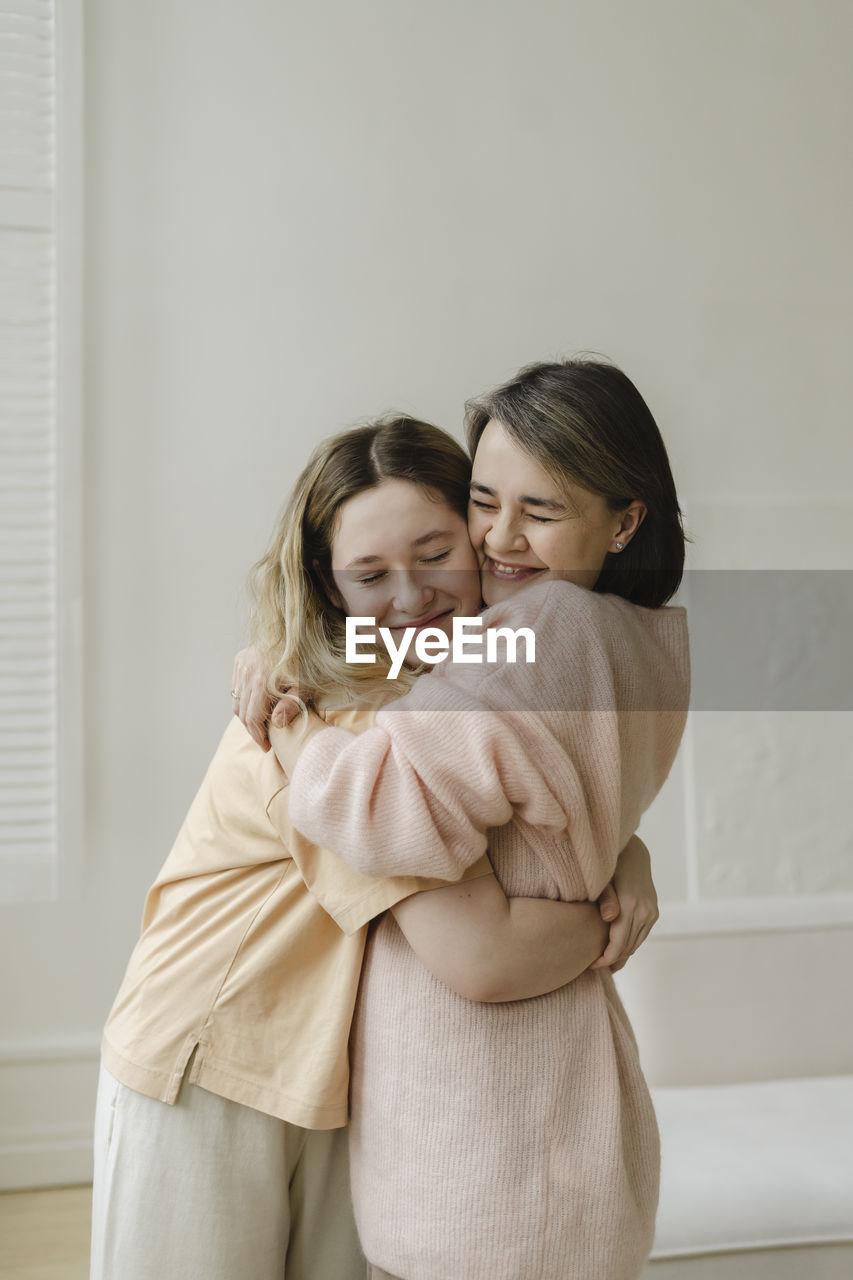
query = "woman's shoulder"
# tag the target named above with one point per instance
(567, 625)
(594, 627)
(355, 718)
(559, 599)
(553, 601)
(240, 771)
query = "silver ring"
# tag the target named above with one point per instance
(235, 695)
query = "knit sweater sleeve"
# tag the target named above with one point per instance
(465, 750)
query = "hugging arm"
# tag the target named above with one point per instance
(416, 794)
(488, 947)
(492, 948)
(568, 936)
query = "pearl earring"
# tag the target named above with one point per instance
(619, 546)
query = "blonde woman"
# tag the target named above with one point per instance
(220, 1149)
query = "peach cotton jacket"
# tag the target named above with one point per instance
(505, 1141)
(238, 959)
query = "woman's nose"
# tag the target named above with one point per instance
(411, 593)
(504, 535)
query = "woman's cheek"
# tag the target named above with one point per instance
(463, 586)
(476, 529)
(470, 558)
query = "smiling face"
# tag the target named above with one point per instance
(404, 558)
(526, 527)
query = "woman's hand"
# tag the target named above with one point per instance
(249, 696)
(629, 904)
(287, 709)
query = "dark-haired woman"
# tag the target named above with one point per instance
(507, 1142)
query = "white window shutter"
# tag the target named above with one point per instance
(34, 648)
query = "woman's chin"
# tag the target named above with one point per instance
(495, 592)
(497, 589)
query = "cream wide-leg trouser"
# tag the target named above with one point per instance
(208, 1189)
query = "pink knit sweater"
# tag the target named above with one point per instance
(513, 1141)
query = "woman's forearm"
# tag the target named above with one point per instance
(548, 944)
(492, 948)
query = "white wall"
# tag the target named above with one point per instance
(301, 215)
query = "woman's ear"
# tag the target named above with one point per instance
(631, 519)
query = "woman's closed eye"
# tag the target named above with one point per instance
(371, 578)
(487, 506)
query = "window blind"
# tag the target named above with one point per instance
(30, 597)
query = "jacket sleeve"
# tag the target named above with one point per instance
(416, 794)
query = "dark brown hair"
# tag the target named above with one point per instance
(584, 421)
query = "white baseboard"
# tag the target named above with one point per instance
(47, 1109)
(816, 1262)
(46, 1156)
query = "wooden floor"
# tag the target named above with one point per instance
(44, 1235)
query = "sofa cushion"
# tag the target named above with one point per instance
(750, 1166)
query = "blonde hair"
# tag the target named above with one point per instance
(294, 619)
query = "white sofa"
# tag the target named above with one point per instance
(747, 1041)
(756, 1181)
